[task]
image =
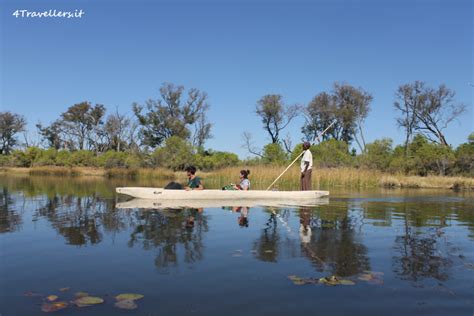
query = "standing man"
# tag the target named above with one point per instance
(306, 167)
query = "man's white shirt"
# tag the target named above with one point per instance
(307, 157)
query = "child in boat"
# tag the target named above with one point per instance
(194, 182)
(244, 181)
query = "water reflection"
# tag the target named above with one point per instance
(168, 232)
(331, 241)
(10, 218)
(421, 252)
(330, 235)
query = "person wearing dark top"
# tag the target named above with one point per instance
(194, 182)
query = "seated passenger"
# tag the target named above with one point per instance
(194, 182)
(244, 181)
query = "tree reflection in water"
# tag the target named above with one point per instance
(421, 252)
(10, 219)
(329, 239)
(81, 220)
(170, 231)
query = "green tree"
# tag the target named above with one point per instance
(331, 153)
(470, 138)
(52, 134)
(10, 125)
(275, 115)
(273, 153)
(465, 158)
(427, 110)
(209, 159)
(83, 124)
(176, 154)
(347, 106)
(428, 157)
(378, 155)
(172, 116)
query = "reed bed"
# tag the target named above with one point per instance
(54, 171)
(434, 182)
(263, 176)
(149, 174)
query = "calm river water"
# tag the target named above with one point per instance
(397, 252)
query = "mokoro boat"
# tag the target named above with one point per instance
(179, 204)
(162, 194)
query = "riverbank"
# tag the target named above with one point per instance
(263, 176)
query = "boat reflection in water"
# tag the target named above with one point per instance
(182, 204)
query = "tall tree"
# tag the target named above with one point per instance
(431, 110)
(408, 96)
(10, 125)
(319, 114)
(275, 115)
(82, 122)
(347, 105)
(52, 134)
(171, 115)
(116, 128)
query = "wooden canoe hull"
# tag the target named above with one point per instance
(162, 194)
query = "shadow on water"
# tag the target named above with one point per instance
(414, 239)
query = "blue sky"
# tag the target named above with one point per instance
(237, 51)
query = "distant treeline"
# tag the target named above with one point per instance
(171, 132)
(424, 157)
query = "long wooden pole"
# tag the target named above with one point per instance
(291, 164)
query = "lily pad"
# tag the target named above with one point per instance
(52, 307)
(365, 277)
(346, 282)
(52, 298)
(294, 277)
(374, 273)
(334, 280)
(81, 294)
(469, 265)
(126, 304)
(88, 301)
(301, 281)
(129, 297)
(372, 277)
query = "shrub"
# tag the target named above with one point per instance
(63, 158)
(176, 154)
(465, 159)
(83, 158)
(274, 154)
(378, 155)
(5, 161)
(331, 153)
(209, 160)
(46, 157)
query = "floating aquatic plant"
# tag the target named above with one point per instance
(52, 298)
(88, 301)
(52, 307)
(126, 304)
(372, 277)
(334, 280)
(129, 297)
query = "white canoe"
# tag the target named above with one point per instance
(162, 194)
(179, 204)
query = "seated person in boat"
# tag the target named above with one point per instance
(244, 181)
(194, 182)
